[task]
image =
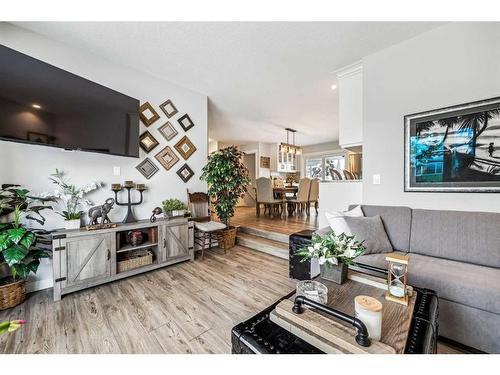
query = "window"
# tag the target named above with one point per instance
(320, 167)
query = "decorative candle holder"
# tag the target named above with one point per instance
(129, 185)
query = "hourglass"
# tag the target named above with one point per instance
(396, 279)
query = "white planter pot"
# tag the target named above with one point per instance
(72, 224)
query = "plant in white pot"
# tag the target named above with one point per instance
(334, 253)
(72, 199)
(174, 207)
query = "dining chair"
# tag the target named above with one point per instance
(297, 204)
(335, 174)
(206, 230)
(264, 195)
(313, 195)
(348, 175)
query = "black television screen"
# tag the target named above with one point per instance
(42, 104)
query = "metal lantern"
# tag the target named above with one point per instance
(397, 275)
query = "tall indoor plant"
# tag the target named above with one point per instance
(227, 179)
(20, 253)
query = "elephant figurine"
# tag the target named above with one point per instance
(101, 212)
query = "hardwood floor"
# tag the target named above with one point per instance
(186, 308)
(245, 216)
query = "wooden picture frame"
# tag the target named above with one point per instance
(186, 122)
(147, 141)
(147, 168)
(147, 114)
(265, 162)
(167, 158)
(168, 131)
(185, 173)
(185, 147)
(168, 108)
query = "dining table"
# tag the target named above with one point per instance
(281, 192)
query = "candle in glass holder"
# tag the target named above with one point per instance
(116, 187)
(141, 187)
(369, 311)
(129, 184)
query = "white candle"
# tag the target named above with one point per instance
(369, 311)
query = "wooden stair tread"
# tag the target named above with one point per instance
(275, 236)
(278, 249)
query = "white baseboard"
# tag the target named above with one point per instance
(33, 286)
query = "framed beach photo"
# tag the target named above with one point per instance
(454, 149)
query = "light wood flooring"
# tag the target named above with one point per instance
(245, 216)
(186, 308)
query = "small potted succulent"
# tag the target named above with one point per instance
(20, 252)
(72, 199)
(174, 207)
(334, 253)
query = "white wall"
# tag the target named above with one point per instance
(453, 64)
(30, 165)
(337, 196)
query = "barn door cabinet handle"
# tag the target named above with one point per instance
(165, 243)
(108, 254)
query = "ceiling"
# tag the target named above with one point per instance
(260, 77)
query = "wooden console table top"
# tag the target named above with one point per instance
(318, 328)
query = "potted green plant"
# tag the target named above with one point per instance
(19, 251)
(334, 253)
(174, 207)
(227, 179)
(71, 198)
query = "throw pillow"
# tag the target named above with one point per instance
(370, 230)
(337, 222)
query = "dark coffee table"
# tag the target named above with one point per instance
(261, 335)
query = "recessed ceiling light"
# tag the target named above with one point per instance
(37, 106)
(334, 87)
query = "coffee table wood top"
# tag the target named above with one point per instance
(334, 336)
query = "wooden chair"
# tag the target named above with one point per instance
(313, 195)
(335, 174)
(206, 231)
(302, 200)
(348, 175)
(264, 195)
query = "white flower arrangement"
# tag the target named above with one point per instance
(332, 249)
(71, 197)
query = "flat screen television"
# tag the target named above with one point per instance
(42, 104)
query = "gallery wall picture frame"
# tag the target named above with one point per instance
(167, 158)
(40, 137)
(147, 168)
(454, 149)
(185, 147)
(168, 108)
(147, 141)
(185, 173)
(186, 122)
(265, 162)
(168, 131)
(147, 114)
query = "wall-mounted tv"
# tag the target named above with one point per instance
(42, 104)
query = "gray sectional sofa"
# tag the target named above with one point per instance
(457, 254)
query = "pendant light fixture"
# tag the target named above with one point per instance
(290, 147)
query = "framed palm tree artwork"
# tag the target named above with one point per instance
(454, 149)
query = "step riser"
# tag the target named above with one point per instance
(264, 248)
(280, 237)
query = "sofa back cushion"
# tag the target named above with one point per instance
(472, 237)
(397, 223)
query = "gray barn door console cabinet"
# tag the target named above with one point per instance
(83, 259)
